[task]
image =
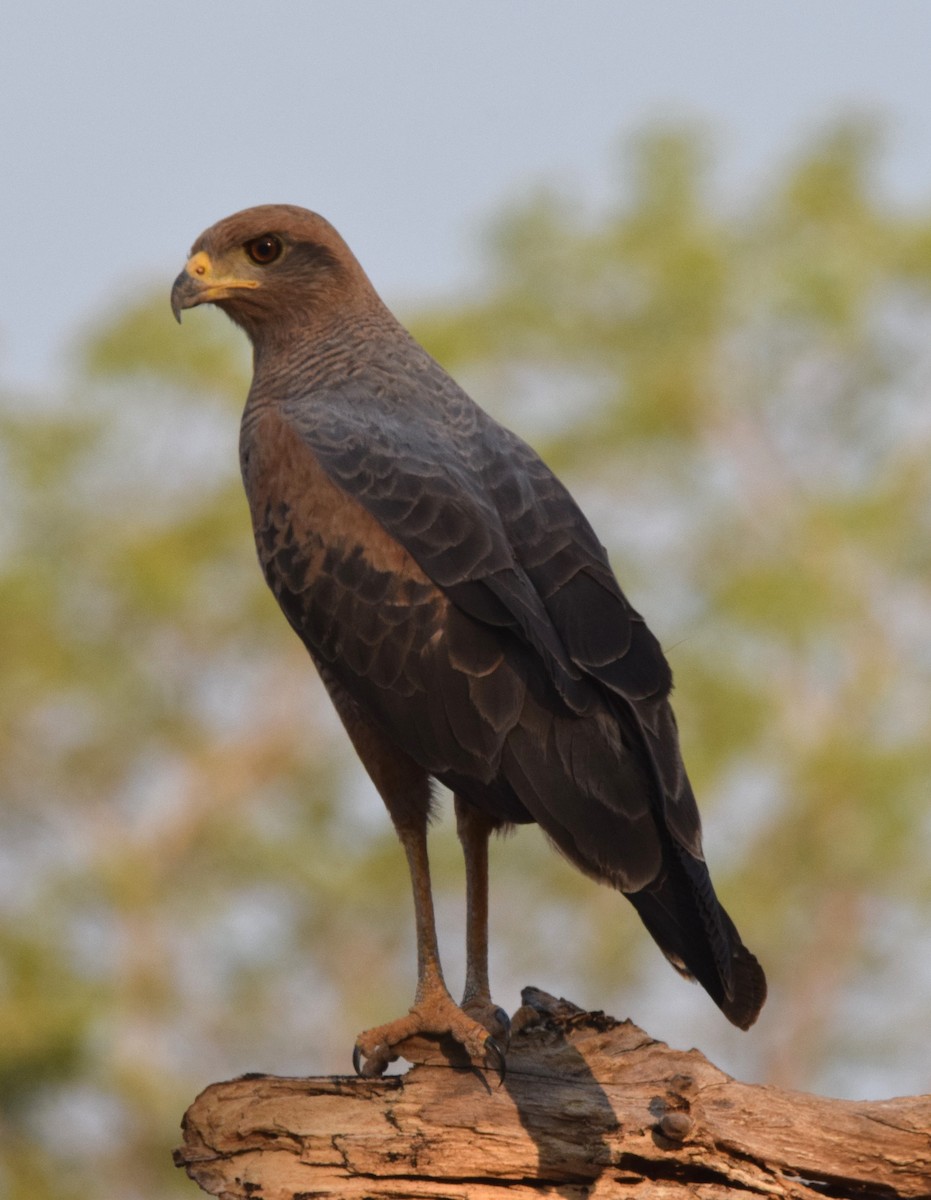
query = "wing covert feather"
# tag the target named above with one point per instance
(489, 523)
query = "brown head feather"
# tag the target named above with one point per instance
(314, 278)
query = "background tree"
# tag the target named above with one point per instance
(194, 874)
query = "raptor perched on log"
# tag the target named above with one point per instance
(462, 615)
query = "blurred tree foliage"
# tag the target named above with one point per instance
(195, 877)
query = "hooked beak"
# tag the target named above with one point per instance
(199, 283)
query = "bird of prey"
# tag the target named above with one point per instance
(462, 615)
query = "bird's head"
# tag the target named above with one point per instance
(269, 265)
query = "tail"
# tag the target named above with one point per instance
(688, 923)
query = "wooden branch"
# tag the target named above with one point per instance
(590, 1107)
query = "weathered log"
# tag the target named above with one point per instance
(590, 1107)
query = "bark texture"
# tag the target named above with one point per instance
(590, 1107)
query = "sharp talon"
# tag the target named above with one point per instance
(505, 1022)
(495, 1060)
(357, 1060)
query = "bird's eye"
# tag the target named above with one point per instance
(265, 249)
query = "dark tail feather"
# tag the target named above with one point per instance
(689, 925)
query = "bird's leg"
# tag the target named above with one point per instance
(405, 789)
(433, 1012)
(430, 980)
(474, 828)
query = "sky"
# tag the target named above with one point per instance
(128, 128)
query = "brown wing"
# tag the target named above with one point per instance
(497, 532)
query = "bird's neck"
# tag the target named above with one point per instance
(317, 350)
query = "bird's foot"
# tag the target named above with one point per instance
(482, 1031)
(494, 1019)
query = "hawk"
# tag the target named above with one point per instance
(462, 615)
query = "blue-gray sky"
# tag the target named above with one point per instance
(127, 128)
